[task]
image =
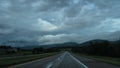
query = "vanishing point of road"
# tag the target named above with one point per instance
(65, 60)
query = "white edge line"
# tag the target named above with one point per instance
(28, 62)
(78, 61)
(49, 65)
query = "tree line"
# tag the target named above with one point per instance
(99, 47)
(93, 47)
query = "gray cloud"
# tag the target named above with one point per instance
(57, 21)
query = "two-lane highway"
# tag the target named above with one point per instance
(69, 61)
(65, 60)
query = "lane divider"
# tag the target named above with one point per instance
(56, 62)
(78, 61)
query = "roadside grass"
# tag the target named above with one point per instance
(19, 53)
(110, 60)
(16, 60)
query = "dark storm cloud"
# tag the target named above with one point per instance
(112, 7)
(4, 26)
(54, 4)
(57, 21)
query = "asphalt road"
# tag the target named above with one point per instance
(65, 60)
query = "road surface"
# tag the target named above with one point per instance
(65, 60)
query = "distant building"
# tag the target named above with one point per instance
(7, 50)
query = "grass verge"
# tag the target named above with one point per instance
(110, 60)
(16, 60)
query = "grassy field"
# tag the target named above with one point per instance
(110, 60)
(16, 60)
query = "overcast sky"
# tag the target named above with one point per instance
(58, 21)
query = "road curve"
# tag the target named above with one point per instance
(65, 60)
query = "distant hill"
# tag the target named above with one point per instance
(67, 44)
(93, 41)
(31, 45)
(20, 43)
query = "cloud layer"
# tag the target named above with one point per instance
(58, 21)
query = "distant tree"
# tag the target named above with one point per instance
(37, 50)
